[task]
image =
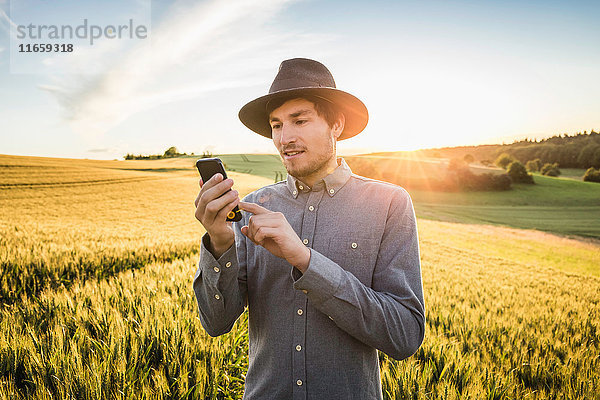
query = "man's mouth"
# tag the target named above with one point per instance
(292, 154)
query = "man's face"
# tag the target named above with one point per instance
(303, 138)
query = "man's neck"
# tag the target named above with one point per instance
(310, 180)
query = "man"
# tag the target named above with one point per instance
(327, 262)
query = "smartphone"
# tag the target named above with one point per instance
(207, 168)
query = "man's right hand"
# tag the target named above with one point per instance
(212, 210)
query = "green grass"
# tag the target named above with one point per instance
(558, 205)
(573, 173)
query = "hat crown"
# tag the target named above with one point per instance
(301, 73)
(302, 77)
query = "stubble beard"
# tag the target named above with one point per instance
(315, 166)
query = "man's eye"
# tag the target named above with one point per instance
(276, 126)
(300, 121)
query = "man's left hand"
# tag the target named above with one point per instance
(273, 232)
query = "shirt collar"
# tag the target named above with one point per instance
(331, 183)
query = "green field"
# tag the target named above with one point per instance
(573, 173)
(558, 205)
(109, 312)
(265, 165)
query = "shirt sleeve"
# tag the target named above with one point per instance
(389, 315)
(220, 285)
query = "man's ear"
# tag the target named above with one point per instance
(338, 126)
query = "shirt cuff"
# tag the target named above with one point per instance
(321, 279)
(211, 267)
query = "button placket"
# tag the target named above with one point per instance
(307, 233)
(309, 219)
(299, 342)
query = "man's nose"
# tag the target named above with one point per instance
(288, 134)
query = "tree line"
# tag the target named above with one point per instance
(581, 150)
(171, 152)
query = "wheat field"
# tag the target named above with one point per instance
(97, 263)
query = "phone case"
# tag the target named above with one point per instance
(207, 167)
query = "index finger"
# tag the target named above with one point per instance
(252, 208)
(212, 181)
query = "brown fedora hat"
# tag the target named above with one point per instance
(298, 77)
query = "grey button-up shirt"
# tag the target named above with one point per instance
(316, 335)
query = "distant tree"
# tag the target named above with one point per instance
(533, 165)
(550, 169)
(207, 154)
(171, 152)
(499, 181)
(504, 160)
(592, 175)
(468, 158)
(596, 159)
(518, 173)
(464, 179)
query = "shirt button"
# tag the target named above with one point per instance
(311, 208)
(354, 245)
(216, 269)
(217, 296)
(300, 187)
(300, 311)
(295, 192)
(228, 264)
(299, 382)
(305, 241)
(331, 191)
(298, 347)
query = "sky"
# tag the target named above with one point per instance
(431, 73)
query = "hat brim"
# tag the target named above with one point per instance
(254, 114)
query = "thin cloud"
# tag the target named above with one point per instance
(5, 25)
(197, 49)
(5, 22)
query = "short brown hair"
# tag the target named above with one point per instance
(325, 108)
